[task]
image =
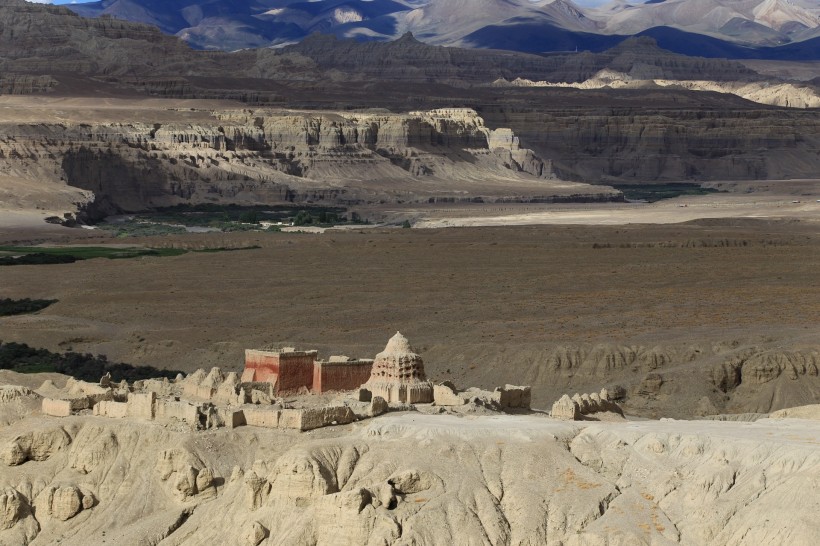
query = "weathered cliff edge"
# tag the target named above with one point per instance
(266, 156)
(631, 144)
(788, 95)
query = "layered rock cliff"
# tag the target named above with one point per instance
(642, 144)
(265, 156)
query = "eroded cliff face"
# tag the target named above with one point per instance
(657, 145)
(663, 380)
(265, 156)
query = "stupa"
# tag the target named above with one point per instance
(398, 374)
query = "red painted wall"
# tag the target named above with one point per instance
(340, 377)
(265, 367)
(295, 372)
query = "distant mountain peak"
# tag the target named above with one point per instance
(407, 38)
(702, 27)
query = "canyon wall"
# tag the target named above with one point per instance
(265, 156)
(642, 145)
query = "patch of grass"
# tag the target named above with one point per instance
(19, 357)
(655, 192)
(141, 229)
(10, 307)
(228, 218)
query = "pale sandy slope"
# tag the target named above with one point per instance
(772, 204)
(413, 479)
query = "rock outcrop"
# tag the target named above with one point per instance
(645, 144)
(664, 132)
(421, 478)
(789, 95)
(16, 518)
(668, 379)
(63, 502)
(37, 445)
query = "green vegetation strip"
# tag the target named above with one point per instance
(28, 255)
(656, 192)
(21, 358)
(31, 255)
(227, 218)
(10, 307)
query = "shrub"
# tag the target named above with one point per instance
(249, 217)
(37, 258)
(19, 307)
(302, 218)
(20, 357)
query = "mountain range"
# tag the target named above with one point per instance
(742, 29)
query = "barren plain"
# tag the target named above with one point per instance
(709, 316)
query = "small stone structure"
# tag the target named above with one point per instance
(56, 408)
(502, 398)
(294, 418)
(398, 374)
(575, 408)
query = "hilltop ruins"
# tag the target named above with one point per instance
(286, 389)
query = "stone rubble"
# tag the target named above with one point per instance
(582, 405)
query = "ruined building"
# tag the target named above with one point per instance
(290, 371)
(398, 374)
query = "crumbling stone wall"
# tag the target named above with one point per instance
(580, 405)
(56, 408)
(169, 410)
(109, 408)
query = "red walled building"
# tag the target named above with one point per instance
(289, 370)
(340, 374)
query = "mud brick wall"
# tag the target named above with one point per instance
(340, 376)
